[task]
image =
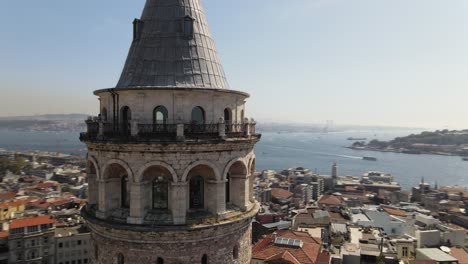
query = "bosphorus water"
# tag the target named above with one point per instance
(317, 151)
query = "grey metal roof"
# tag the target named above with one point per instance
(163, 56)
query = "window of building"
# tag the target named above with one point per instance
(137, 29)
(160, 115)
(33, 228)
(188, 27)
(46, 239)
(160, 261)
(18, 244)
(228, 188)
(60, 245)
(204, 259)
(125, 195)
(33, 242)
(160, 193)
(235, 252)
(198, 115)
(96, 252)
(19, 256)
(78, 242)
(120, 259)
(197, 192)
(404, 252)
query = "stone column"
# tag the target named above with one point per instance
(251, 188)
(109, 197)
(180, 132)
(246, 127)
(93, 189)
(101, 128)
(239, 193)
(222, 128)
(134, 127)
(216, 197)
(137, 203)
(178, 196)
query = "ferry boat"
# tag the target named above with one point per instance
(369, 158)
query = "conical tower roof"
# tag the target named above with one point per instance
(173, 48)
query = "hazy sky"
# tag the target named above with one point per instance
(378, 62)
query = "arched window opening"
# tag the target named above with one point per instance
(160, 193)
(160, 261)
(197, 199)
(104, 114)
(120, 259)
(188, 27)
(124, 189)
(235, 252)
(198, 115)
(126, 117)
(227, 115)
(91, 168)
(228, 119)
(96, 252)
(204, 259)
(160, 115)
(228, 188)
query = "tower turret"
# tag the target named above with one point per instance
(170, 157)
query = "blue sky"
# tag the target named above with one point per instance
(368, 62)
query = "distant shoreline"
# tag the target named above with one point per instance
(405, 152)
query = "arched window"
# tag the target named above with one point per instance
(235, 252)
(227, 115)
(228, 188)
(188, 27)
(104, 114)
(124, 192)
(197, 198)
(228, 119)
(96, 252)
(120, 259)
(204, 259)
(126, 117)
(160, 115)
(160, 261)
(160, 193)
(198, 115)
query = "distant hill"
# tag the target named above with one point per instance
(443, 142)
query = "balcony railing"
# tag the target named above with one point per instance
(100, 130)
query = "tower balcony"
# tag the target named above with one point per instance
(134, 131)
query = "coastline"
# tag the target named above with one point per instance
(409, 152)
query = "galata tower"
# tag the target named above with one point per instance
(170, 156)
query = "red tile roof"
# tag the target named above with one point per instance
(12, 204)
(4, 234)
(330, 200)
(459, 253)
(267, 251)
(40, 220)
(279, 193)
(394, 212)
(7, 196)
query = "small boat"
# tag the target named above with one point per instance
(465, 159)
(369, 158)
